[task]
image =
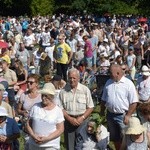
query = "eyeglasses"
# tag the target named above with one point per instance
(30, 82)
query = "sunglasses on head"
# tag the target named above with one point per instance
(30, 82)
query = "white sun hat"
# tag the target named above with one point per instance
(134, 126)
(48, 88)
(145, 71)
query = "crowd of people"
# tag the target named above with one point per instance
(48, 74)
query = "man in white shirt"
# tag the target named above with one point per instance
(120, 98)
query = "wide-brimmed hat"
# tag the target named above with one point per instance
(145, 71)
(134, 126)
(48, 88)
(3, 111)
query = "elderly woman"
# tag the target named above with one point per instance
(92, 135)
(135, 136)
(9, 130)
(45, 123)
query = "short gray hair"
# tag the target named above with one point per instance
(74, 70)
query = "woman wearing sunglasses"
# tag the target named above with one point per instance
(28, 99)
(46, 122)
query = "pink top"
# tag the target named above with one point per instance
(88, 45)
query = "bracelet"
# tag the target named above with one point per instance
(83, 117)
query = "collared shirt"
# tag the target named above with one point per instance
(143, 87)
(76, 103)
(10, 76)
(119, 95)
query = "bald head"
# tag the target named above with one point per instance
(116, 72)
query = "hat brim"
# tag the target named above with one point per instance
(44, 91)
(135, 131)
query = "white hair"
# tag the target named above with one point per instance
(74, 70)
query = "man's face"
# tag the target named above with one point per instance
(4, 65)
(22, 46)
(73, 79)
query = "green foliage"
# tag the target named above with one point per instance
(98, 7)
(44, 7)
(120, 7)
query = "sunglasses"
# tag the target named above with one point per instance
(30, 82)
(46, 96)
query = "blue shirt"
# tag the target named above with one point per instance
(9, 128)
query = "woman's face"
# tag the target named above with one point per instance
(90, 127)
(16, 65)
(46, 99)
(31, 83)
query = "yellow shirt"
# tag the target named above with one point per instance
(62, 51)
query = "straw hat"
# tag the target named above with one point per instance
(145, 71)
(3, 111)
(48, 89)
(134, 126)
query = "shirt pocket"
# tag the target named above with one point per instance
(81, 102)
(68, 104)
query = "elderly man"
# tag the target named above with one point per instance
(77, 105)
(120, 98)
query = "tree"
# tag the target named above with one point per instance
(42, 7)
